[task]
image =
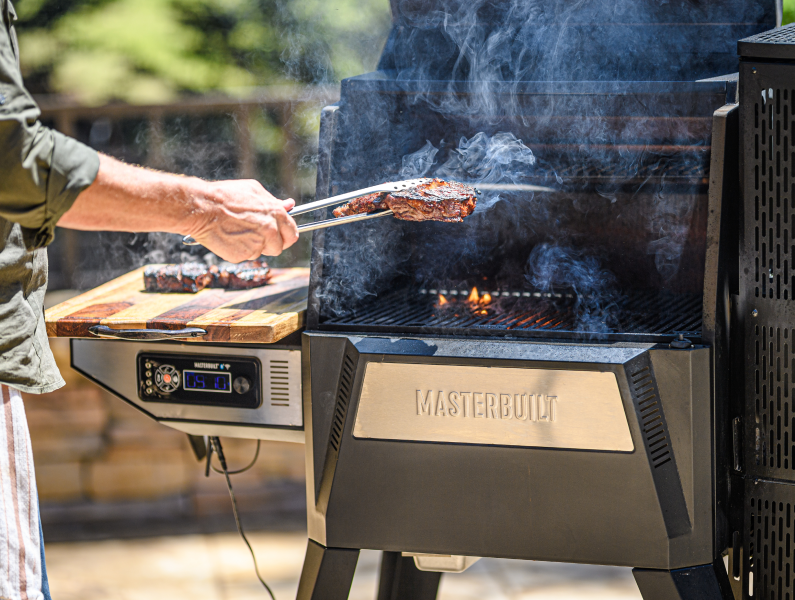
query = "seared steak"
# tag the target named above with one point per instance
(192, 277)
(186, 277)
(364, 204)
(242, 276)
(436, 200)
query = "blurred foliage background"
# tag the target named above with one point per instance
(153, 51)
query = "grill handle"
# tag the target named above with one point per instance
(146, 334)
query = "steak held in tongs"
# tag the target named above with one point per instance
(419, 199)
(435, 200)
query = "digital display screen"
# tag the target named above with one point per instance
(207, 381)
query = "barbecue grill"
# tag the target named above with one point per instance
(551, 379)
(580, 413)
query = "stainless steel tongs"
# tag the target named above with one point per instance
(392, 186)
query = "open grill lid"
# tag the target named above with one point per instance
(590, 40)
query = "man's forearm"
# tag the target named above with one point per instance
(238, 220)
(128, 198)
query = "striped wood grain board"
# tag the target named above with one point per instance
(262, 315)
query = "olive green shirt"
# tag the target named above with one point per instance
(41, 174)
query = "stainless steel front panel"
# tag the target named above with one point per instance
(546, 408)
(113, 364)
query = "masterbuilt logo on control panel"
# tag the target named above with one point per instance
(212, 366)
(532, 408)
(466, 404)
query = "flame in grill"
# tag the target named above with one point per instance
(478, 299)
(478, 303)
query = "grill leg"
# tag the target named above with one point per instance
(704, 582)
(401, 580)
(327, 573)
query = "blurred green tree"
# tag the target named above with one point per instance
(149, 51)
(789, 11)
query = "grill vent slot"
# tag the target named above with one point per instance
(280, 383)
(652, 421)
(341, 406)
(773, 417)
(769, 548)
(773, 192)
(657, 441)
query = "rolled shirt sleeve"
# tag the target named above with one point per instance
(41, 170)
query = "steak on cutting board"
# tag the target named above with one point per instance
(242, 276)
(185, 277)
(192, 277)
(436, 200)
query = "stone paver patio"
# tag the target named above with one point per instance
(218, 567)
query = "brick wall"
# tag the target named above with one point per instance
(101, 466)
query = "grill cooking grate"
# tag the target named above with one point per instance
(643, 316)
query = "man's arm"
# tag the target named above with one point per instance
(238, 220)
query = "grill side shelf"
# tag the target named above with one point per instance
(657, 442)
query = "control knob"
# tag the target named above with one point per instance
(167, 379)
(241, 384)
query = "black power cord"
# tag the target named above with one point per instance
(244, 469)
(215, 446)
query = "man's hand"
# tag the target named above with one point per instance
(241, 220)
(237, 220)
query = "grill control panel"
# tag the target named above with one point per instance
(200, 379)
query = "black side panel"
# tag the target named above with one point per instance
(658, 445)
(721, 281)
(767, 269)
(768, 552)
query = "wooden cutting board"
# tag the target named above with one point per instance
(262, 315)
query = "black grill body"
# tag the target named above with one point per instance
(651, 507)
(765, 315)
(613, 143)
